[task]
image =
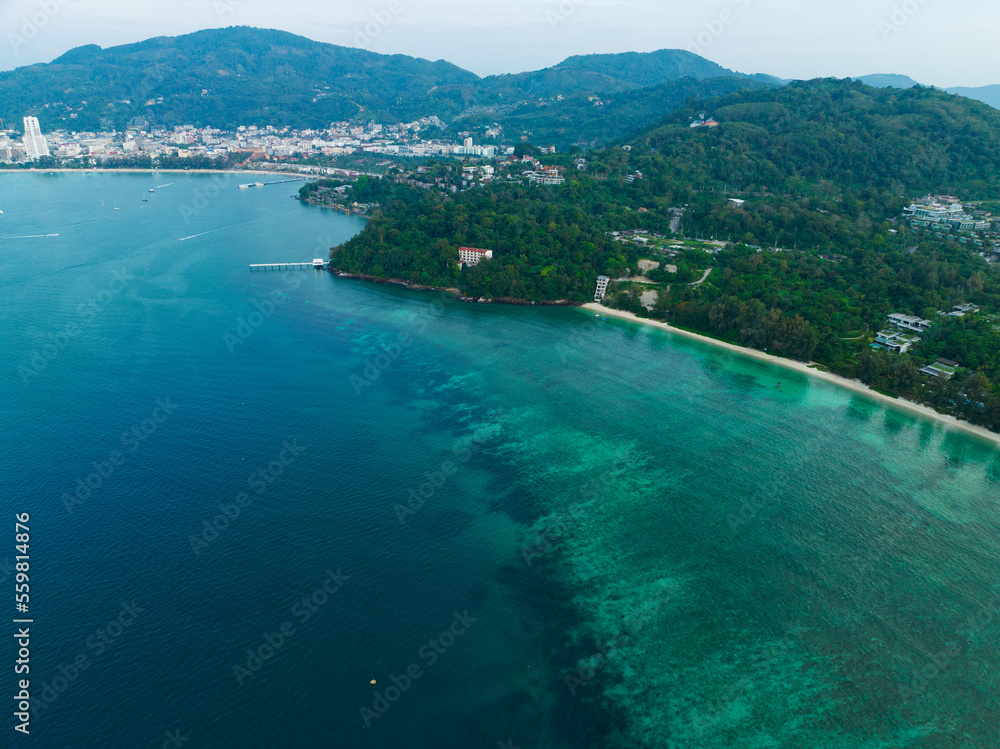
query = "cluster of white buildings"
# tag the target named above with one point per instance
(141, 138)
(944, 211)
(468, 149)
(901, 338)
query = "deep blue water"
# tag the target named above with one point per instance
(638, 540)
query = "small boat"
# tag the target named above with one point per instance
(151, 189)
(145, 199)
(116, 205)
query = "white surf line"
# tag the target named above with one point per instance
(166, 185)
(31, 236)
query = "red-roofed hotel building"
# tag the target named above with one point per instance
(471, 256)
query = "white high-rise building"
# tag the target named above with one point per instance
(602, 288)
(35, 145)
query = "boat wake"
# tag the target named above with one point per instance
(184, 239)
(216, 231)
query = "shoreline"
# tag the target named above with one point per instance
(457, 293)
(855, 386)
(131, 170)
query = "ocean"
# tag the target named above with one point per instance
(251, 494)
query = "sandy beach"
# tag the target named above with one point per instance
(853, 385)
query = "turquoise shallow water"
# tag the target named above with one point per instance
(657, 547)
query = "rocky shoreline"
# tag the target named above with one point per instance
(457, 293)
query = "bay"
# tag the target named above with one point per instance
(576, 531)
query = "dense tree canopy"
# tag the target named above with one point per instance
(818, 256)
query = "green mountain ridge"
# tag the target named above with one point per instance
(609, 73)
(579, 121)
(242, 75)
(834, 134)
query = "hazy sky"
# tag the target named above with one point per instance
(938, 43)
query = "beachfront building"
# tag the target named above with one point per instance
(471, 256)
(602, 288)
(895, 341)
(35, 145)
(908, 322)
(942, 369)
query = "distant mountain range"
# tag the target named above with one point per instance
(241, 75)
(888, 80)
(986, 94)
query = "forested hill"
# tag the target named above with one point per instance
(227, 77)
(818, 255)
(240, 75)
(824, 164)
(575, 121)
(613, 72)
(828, 137)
